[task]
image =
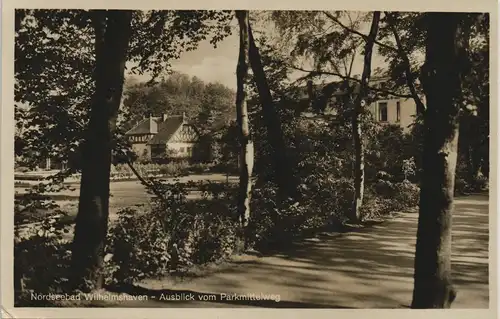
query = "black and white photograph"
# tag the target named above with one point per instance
(257, 159)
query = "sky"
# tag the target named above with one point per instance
(208, 63)
(219, 64)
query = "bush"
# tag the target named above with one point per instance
(176, 168)
(173, 236)
(22, 169)
(466, 183)
(407, 194)
(200, 168)
(403, 195)
(322, 205)
(41, 261)
(224, 168)
(136, 249)
(376, 207)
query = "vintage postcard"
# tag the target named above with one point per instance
(187, 159)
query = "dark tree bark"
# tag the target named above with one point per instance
(282, 165)
(113, 30)
(246, 152)
(359, 148)
(441, 80)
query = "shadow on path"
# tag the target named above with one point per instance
(368, 268)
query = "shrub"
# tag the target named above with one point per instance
(322, 204)
(225, 168)
(136, 248)
(173, 236)
(176, 168)
(482, 183)
(41, 260)
(407, 194)
(376, 207)
(200, 168)
(22, 169)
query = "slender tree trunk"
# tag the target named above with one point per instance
(112, 39)
(410, 81)
(442, 86)
(282, 166)
(246, 152)
(359, 149)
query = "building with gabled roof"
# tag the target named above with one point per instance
(318, 100)
(164, 138)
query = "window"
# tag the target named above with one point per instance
(398, 111)
(158, 151)
(189, 149)
(181, 149)
(382, 111)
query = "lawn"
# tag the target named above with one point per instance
(123, 194)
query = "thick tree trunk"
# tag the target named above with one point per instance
(282, 165)
(246, 152)
(442, 86)
(359, 151)
(112, 39)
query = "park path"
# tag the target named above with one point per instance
(367, 268)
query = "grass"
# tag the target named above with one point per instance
(123, 194)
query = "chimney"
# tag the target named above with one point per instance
(153, 126)
(183, 117)
(164, 117)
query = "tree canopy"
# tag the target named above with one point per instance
(205, 104)
(55, 59)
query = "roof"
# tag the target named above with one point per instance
(336, 88)
(146, 126)
(167, 129)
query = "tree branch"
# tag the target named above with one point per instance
(352, 61)
(364, 36)
(313, 73)
(407, 65)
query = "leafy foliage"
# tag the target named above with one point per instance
(54, 63)
(207, 105)
(174, 235)
(41, 260)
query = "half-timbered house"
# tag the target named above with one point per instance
(164, 138)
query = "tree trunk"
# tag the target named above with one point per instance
(282, 167)
(359, 149)
(112, 39)
(246, 152)
(442, 86)
(410, 81)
